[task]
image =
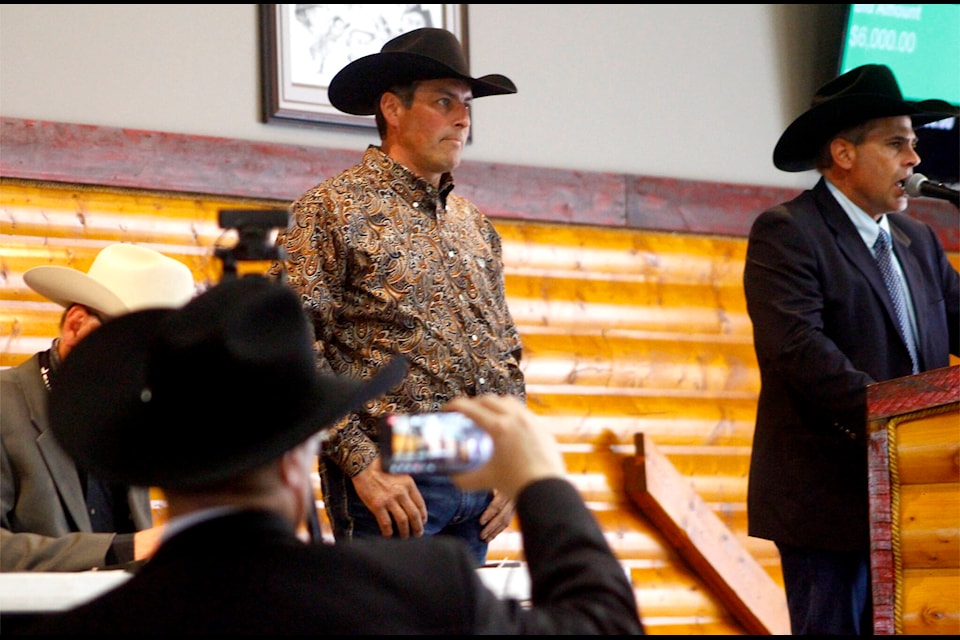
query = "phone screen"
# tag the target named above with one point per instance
(432, 443)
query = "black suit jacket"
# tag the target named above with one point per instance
(824, 328)
(247, 573)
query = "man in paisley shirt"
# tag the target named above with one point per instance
(387, 259)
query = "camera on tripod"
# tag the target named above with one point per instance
(255, 242)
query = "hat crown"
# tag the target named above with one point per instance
(122, 278)
(438, 45)
(249, 335)
(142, 278)
(868, 80)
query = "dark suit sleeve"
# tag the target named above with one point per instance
(577, 583)
(794, 313)
(951, 294)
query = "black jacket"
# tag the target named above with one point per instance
(247, 573)
(824, 328)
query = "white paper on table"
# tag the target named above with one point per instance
(507, 579)
(37, 591)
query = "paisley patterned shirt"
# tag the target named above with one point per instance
(386, 263)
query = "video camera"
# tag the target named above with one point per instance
(254, 240)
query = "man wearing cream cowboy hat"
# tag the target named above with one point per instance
(54, 516)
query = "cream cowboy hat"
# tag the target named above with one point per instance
(123, 278)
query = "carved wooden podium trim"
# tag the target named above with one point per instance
(891, 406)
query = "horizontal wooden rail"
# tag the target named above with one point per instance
(80, 154)
(704, 541)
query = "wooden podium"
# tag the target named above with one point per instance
(913, 425)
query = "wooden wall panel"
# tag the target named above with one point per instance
(158, 161)
(660, 367)
(626, 289)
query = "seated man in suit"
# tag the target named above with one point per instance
(54, 515)
(223, 407)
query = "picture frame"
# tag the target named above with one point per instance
(303, 46)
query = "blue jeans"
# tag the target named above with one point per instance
(451, 511)
(828, 592)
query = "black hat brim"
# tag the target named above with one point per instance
(101, 415)
(798, 146)
(357, 87)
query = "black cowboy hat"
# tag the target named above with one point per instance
(861, 94)
(421, 54)
(178, 398)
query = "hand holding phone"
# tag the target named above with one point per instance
(432, 443)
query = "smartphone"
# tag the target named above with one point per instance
(432, 443)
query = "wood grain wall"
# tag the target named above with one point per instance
(157, 161)
(626, 289)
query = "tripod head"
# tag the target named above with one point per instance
(254, 241)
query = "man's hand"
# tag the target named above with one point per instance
(496, 517)
(524, 451)
(146, 541)
(392, 498)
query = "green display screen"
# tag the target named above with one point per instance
(920, 42)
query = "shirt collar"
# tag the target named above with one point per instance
(867, 227)
(422, 195)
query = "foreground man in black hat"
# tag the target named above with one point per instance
(825, 326)
(220, 404)
(387, 259)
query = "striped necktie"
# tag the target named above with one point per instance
(882, 252)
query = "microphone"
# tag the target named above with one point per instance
(920, 185)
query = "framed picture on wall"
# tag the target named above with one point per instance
(302, 46)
